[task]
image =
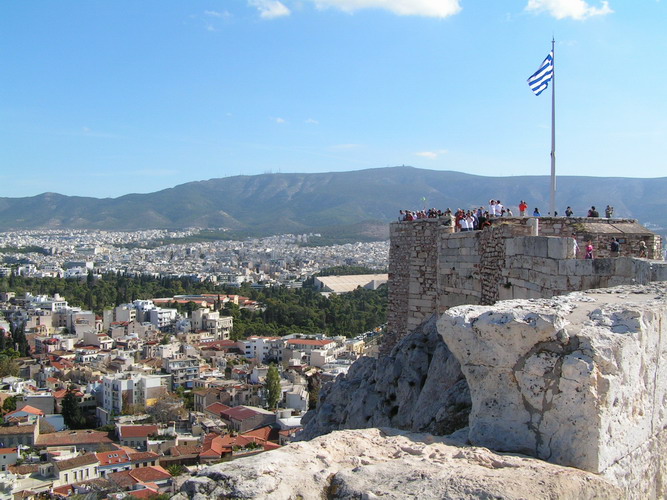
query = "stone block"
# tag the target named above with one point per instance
(583, 267)
(537, 246)
(659, 271)
(557, 248)
(624, 266)
(510, 247)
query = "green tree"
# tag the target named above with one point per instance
(272, 386)
(187, 396)
(71, 411)
(8, 365)
(176, 469)
(314, 386)
(9, 404)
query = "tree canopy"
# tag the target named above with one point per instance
(71, 411)
(272, 385)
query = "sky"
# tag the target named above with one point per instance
(106, 98)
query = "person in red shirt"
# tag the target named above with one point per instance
(523, 206)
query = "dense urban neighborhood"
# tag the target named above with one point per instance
(122, 399)
(284, 259)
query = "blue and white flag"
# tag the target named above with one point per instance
(539, 80)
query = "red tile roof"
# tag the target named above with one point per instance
(239, 413)
(217, 408)
(63, 392)
(150, 474)
(68, 438)
(143, 456)
(212, 446)
(73, 463)
(112, 457)
(261, 433)
(123, 479)
(27, 409)
(144, 493)
(320, 343)
(182, 450)
(17, 429)
(135, 431)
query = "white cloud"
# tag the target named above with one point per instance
(312, 121)
(575, 9)
(214, 13)
(270, 9)
(431, 155)
(427, 8)
(279, 120)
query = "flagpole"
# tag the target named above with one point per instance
(553, 131)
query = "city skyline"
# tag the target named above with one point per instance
(104, 99)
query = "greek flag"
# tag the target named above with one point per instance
(539, 80)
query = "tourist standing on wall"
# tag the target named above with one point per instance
(643, 251)
(523, 206)
(536, 212)
(593, 213)
(575, 246)
(589, 250)
(568, 212)
(609, 211)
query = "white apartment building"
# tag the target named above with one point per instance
(220, 327)
(124, 313)
(162, 317)
(55, 303)
(261, 347)
(183, 370)
(124, 389)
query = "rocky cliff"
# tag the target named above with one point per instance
(391, 464)
(418, 387)
(578, 380)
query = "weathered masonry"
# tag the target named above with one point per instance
(432, 269)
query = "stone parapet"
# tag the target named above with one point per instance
(432, 269)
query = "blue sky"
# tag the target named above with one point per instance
(105, 98)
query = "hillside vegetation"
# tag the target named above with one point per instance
(339, 205)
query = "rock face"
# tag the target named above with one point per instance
(391, 464)
(418, 387)
(578, 380)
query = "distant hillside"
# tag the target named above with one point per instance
(338, 204)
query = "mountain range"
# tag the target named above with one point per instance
(352, 204)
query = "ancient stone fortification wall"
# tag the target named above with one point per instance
(432, 269)
(413, 259)
(578, 380)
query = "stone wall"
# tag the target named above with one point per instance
(578, 380)
(432, 269)
(413, 273)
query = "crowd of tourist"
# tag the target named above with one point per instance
(479, 218)
(464, 220)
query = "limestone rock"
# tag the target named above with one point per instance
(578, 380)
(418, 387)
(391, 464)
